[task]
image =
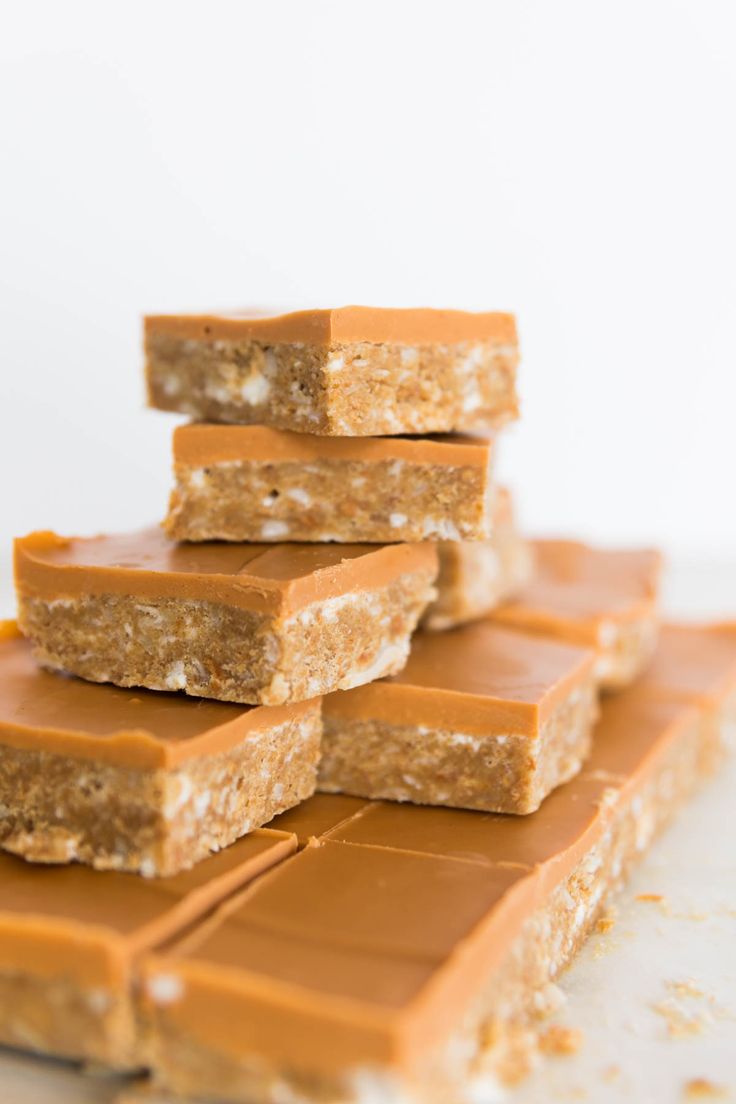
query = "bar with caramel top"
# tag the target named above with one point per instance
(480, 718)
(697, 663)
(599, 598)
(132, 780)
(475, 577)
(407, 953)
(350, 372)
(70, 938)
(252, 483)
(248, 623)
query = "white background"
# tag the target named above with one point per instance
(572, 161)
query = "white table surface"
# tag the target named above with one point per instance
(654, 997)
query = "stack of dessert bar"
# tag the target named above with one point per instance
(174, 895)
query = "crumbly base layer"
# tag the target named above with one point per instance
(353, 390)
(625, 650)
(216, 651)
(474, 578)
(498, 773)
(330, 500)
(55, 808)
(497, 1042)
(60, 1018)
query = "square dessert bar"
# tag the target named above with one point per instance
(251, 483)
(260, 624)
(476, 576)
(132, 780)
(698, 664)
(351, 372)
(599, 598)
(408, 953)
(70, 937)
(480, 718)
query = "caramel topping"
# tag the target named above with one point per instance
(129, 728)
(345, 325)
(202, 444)
(72, 920)
(470, 679)
(697, 662)
(276, 579)
(577, 588)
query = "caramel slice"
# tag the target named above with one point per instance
(599, 598)
(251, 483)
(351, 372)
(480, 718)
(249, 623)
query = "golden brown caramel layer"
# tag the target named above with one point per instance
(271, 578)
(201, 444)
(342, 325)
(472, 680)
(88, 925)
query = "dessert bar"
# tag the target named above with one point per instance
(480, 718)
(249, 623)
(351, 372)
(251, 483)
(599, 598)
(132, 780)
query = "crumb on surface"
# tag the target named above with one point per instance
(700, 1088)
(654, 898)
(605, 923)
(680, 1025)
(559, 1040)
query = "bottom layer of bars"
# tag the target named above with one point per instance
(314, 1043)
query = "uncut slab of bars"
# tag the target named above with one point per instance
(350, 372)
(406, 953)
(139, 781)
(237, 622)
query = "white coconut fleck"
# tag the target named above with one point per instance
(335, 364)
(277, 792)
(98, 1001)
(607, 634)
(148, 868)
(409, 355)
(176, 678)
(201, 803)
(184, 792)
(196, 478)
(256, 389)
(397, 520)
(272, 530)
(165, 988)
(298, 494)
(217, 391)
(170, 385)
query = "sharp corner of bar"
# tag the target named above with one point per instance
(311, 793)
